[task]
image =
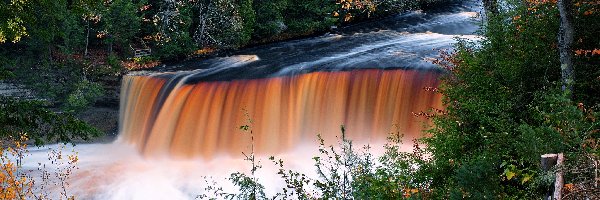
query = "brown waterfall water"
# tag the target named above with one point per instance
(203, 119)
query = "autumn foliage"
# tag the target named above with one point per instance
(19, 183)
(14, 182)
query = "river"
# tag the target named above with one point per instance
(181, 123)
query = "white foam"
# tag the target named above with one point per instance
(117, 171)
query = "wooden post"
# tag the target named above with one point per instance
(549, 161)
(596, 179)
(559, 182)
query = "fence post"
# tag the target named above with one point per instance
(549, 161)
(559, 182)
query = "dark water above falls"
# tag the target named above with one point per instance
(404, 41)
(181, 122)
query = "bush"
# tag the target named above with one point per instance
(17, 183)
(343, 173)
(504, 110)
(122, 23)
(43, 124)
(249, 20)
(269, 18)
(178, 46)
(84, 95)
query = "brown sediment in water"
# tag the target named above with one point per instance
(203, 119)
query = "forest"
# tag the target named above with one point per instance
(530, 86)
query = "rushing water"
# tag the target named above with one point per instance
(202, 119)
(181, 122)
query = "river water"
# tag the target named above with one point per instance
(180, 124)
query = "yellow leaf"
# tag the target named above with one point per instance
(509, 174)
(526, 178)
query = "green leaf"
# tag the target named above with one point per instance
(526, 177)
(509, 174)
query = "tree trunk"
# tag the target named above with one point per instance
(110, 45)
(202, 24)
(202, 30)
(87, 39)
(565, 41)
(50, 52)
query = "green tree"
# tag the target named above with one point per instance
(121, 23)
(223, 26)
(88, 12)
(42, 124)
(269, 18)
(490, 6)
(307, 17)
(249, 20)
(74, 34)
(12, 20)
(504, 110)
(171, 31)
(46, 26)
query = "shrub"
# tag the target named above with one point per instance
(504, 110)
(43, 124)
(84, 95)
(18, 183)
(269, 18)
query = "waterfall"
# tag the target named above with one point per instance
(171, 116)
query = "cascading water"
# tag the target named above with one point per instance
(181, 122)
(202, 119)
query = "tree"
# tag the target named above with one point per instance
(307, 17)
(491, 6)
(224, 27)
(46, 26)
(121, 23)
(269, 18)
(171, 28)
(89, 11)
(505, 108)
(12, 21)
(249, 19)
(74, 36)
(565, 41)
(43, 125)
